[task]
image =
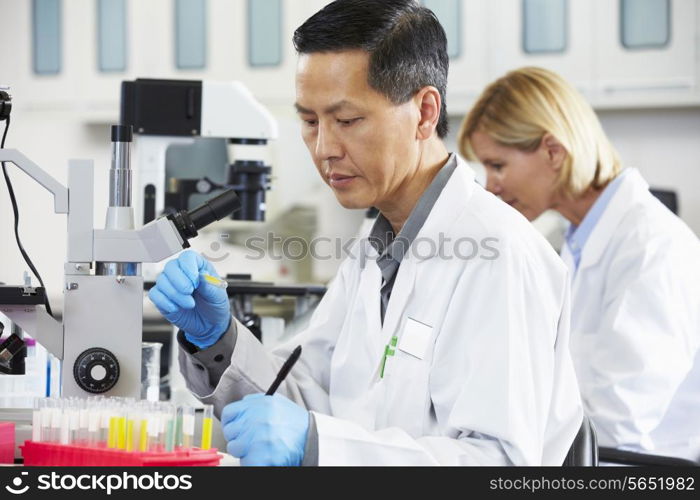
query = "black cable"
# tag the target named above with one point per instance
(16, 212)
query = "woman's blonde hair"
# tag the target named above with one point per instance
(519, 109)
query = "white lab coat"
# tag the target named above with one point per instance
(495, 384)
(635, 327)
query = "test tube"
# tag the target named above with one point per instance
(162, 421)
(143, 431)
(132, 420)
(56, 414)
(83, 423)
(104, 427)
(64, 432)
(46, 416)
(36, 420)
(213, 280)
(170, 418)
(153, 431)
(207, 422)
(179, 412)
(112, 419)
(121, 428)
(94, 416)
(74, 422)
(187, 427)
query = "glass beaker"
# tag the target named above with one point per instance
(150, 371)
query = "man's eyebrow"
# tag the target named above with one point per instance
(339, 105)
(302, 109)
(329, 110)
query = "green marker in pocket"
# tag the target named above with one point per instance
(389, 351)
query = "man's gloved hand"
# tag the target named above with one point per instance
(197, 307)
(266, 430)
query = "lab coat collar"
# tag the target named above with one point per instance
(632, 190)
(448, 207)
(451, 203)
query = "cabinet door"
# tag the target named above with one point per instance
(646, 52)
(468, 58)
(554, 34)
(268, 71)
(52, 29)
(103, 65)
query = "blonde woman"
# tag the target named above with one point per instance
(634, 266)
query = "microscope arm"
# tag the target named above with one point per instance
(34, 318)
(153, 243)
(59, 191)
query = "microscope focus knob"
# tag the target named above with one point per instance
(96, 371)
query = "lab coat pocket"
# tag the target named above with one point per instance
(407, 395)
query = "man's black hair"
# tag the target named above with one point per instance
(405, 41)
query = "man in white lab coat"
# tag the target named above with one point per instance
(444, 337)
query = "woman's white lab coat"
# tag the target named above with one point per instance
(635, 327)
(482, 372)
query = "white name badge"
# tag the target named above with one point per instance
(415, 338)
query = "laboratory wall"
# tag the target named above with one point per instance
(648, 101)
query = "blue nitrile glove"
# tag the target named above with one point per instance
(197, 307)
(266, 430)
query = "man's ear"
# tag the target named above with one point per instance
(429, 104)
(554, 151)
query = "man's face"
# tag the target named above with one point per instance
(364, 146)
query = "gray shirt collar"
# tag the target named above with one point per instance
(391, 248)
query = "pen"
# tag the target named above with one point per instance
(284, 371)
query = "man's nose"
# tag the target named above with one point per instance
(327, 144)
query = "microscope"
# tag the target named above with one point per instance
(164, 113)
(100, 334)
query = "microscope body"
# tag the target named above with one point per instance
(165, 113)
(100, 336)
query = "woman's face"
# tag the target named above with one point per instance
(525, 181)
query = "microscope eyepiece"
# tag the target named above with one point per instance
(189, 223)
(214, 210)
(122, 133)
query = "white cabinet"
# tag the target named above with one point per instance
(618, 53)
(230, 54)
(655, 73)
(468, 68)
(580, 39)
(17, 45)
(515, 26)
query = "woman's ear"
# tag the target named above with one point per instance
(429, 103)
(554, 151)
